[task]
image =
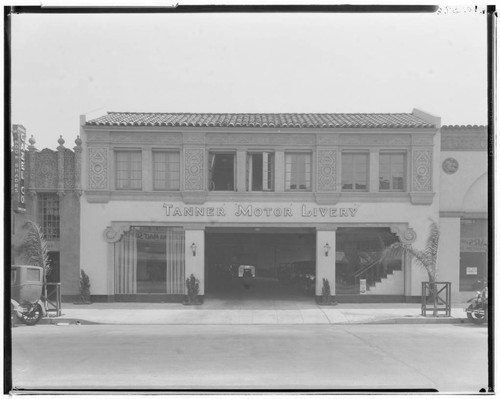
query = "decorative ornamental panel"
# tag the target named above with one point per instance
(147, 138)
(98, 168)
(422, 170)
(407, 235)
(422, 139)
(261, 139)
(193, 138)
(327, 170)
(457, 140)
(101, 137)
(375, 139)
(450, 166)
(194, 161)
(46, 169)
(327, 139)
(69, 169)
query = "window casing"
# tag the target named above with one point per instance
(48, 215)
(221, 171)
(166, 170)
(128, 167)
(392, 171)
(260, 171)
(298, 171)
(354, 171)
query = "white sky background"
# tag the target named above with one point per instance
(67, 65)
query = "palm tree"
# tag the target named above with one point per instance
(426, 258)
(35, 252)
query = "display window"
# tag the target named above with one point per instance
(473, 254)
(150, 260)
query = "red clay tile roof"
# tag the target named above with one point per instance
(262, 120)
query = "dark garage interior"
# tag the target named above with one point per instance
(259, 263)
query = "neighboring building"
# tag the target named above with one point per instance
(52, 187)
(464, 208)
(167, 195)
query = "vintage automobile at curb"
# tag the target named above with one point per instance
(26, 294)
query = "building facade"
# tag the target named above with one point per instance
(52, 190)
(170, 195)
(464, 208)
(145, 200)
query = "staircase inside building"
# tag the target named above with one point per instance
(382, 278)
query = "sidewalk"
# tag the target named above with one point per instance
(220, 313)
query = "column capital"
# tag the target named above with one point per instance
(326, 228)
(194, 226)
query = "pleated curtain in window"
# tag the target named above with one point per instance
(126, 264)
(175, 261)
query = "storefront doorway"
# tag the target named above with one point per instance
(360, 268)
(260, 263)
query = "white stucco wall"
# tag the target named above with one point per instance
(95, 217)
(472, 165)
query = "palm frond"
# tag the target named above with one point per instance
(426, 258)
(431, 247)
(34, 247)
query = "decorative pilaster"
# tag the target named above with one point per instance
(194, 191)
(60, 167)
(98, 168)
(32, 165)
(78, 166)
(421, 184)
(326, 176)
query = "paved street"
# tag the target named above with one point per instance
(450, 358)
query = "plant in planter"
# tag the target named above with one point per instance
(193, 289)
(426, 258)
(34, 251)
(84, 288)
(326, 295)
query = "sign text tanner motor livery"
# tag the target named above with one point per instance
(265, 211)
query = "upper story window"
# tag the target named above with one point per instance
(48, 215)
(260, 171)
(392, 171)
(166, 170)
(354, 171)
(128, 170)
(298, 171)
(221, 171)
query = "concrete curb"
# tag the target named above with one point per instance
(399, 320)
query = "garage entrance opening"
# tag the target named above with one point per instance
(260, 263)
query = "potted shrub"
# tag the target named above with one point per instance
(326, 295)
(84, 288)
(193, 289)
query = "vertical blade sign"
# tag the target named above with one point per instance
(19, 141)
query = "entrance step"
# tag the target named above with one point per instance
(392, 285)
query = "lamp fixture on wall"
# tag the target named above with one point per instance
(193, 248)
(326, 247)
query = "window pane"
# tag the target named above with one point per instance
(48, 215)
(298, 171)
(392, 172)
(128, 169)
(166, 170)
(33, 274)
(355, 172)
(221, 172)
